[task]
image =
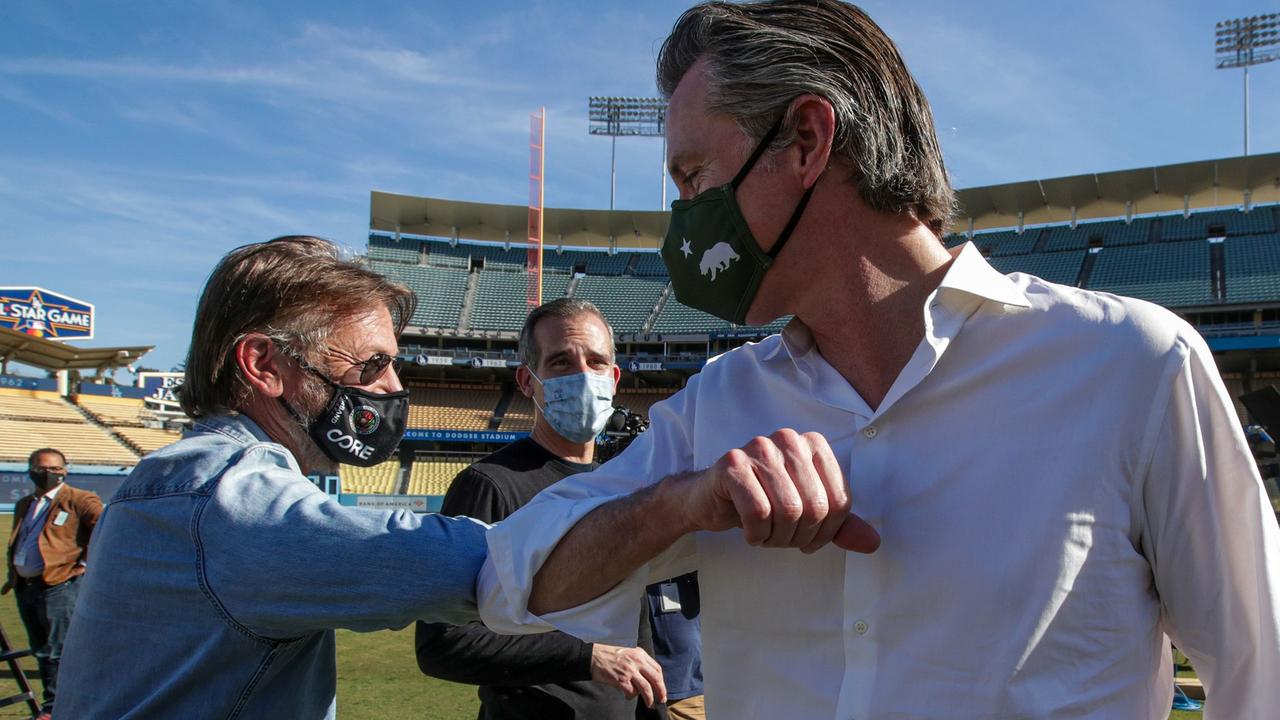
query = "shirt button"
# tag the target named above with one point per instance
(860, 627)
(869, 431)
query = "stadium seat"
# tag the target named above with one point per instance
(1173, 274)
(117, 412)
(44, 406)
(1252, 268)
(1058, 267)
(403, 250)
(432, 476)
(453, 406)
(82, 443)
(377, 480)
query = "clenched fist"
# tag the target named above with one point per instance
(785, 490)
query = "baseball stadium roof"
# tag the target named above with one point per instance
(53, 355)
(1167, 188)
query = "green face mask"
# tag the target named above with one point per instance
(714, 262)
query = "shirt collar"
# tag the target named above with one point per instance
(238, 427)
(971, 273)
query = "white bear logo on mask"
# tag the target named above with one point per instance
(717, 259)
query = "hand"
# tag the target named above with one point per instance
(8, 585)
(785, 490)
(631, 670)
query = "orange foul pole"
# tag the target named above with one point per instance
(537, 156)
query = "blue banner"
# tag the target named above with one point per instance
(160, 386)
(111, 390)
(14, 485)
(27, 383)
(464, 436)
(45, 314)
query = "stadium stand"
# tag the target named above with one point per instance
(440, 291)
(639, 400)
(147, 440)
(453, 406)
(31, 420)
(46, 406)
(117, 412)
(500, 302)
(1174, 274)
(82, 443)
(432, 476)
(404, 250)
(519, 415)
(377, 480)
(650, 265)
(1058, 267)
(1253, 268)
(627, 302)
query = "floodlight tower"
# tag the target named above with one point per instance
(1247, 41)
(629, 117)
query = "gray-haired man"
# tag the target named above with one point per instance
(219, 571)
(1056, 478)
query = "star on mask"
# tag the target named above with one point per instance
(684, 248)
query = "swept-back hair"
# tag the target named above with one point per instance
(762, 55)
(294, 289)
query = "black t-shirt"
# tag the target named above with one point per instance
(545, 676)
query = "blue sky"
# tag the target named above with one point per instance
(140, 141)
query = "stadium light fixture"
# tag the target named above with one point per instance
(1247, 41)
(629, 117)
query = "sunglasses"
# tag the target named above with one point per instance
(370, 369)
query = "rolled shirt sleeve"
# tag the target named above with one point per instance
(520, 544)
(1212, 542)
(283, 559)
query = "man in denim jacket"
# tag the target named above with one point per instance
(219, 571)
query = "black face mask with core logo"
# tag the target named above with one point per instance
(357, 427)
(714, 262)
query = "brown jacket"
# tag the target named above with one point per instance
(63, 547)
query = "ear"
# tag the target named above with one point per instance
(815, 132)
(524, 381)
(617, 376)
(261, 364)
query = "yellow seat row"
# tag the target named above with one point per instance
(453, 407)
(149, 439)
(433, 476)
(82, 443)
(44, 406)
(377, 480)
(115, 411)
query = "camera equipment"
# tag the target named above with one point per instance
(623, 427)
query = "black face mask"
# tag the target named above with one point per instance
(45, 479)
(356, 427)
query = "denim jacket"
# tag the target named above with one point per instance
(219, 573)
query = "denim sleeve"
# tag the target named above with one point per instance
(282, 559)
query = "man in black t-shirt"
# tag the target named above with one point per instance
(569, 371)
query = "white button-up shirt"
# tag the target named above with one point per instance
(1059, 481)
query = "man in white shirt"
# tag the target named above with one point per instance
(1054, 478)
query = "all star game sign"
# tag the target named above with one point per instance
(45, 314)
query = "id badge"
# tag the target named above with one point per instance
(61, 518)
(669, 597)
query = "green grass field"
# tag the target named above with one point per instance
(378, 678)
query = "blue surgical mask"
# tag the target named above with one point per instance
(577, 406)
